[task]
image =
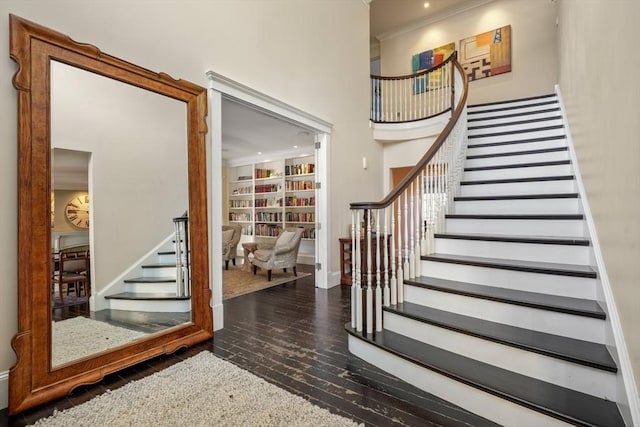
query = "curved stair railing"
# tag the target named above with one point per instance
(389, 236)
(419, 96)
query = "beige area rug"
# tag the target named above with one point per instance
(236, 282)
(201, 391)
(79, 337)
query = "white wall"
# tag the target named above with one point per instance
(533, 49)
(601, 93)
(311, 54)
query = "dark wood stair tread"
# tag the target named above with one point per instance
(517, 216)
(519, 180)
(570, 349)
(561, 304)
(517, 166)
(515, 132)
(516, 141)
(573, 270)
(147, 296)
(568, 405)
(470, 109)
(541, 240)
(535, 98)
(514, 123)
(512, 115)
(518, 153)
(160, 265)
(151, 280)
(517, 197)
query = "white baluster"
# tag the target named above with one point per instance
(399, 271)
(417, 226)
(385, 243)
(393, 284)
(356, 276)
(405, 247)
(411, 253)
(369, 293)
(424, 250)
(378, 295)
(354, 299)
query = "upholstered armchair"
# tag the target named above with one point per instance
(230, 238)
(284, 253)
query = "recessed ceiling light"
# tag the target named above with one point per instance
(426, 4)
(259, 152)
(295, 146)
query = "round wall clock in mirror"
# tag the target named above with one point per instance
(77, 211)
(53, 74)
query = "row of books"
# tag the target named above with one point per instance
(240, 203)
(268, 188)
(300, 201)
(301, 169)
(268, 203)
(242, 190)
(236, 216)
(299, 185)
(266, 173)
(300, 217)
(268, 216)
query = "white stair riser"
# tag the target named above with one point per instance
(559, 228)
(563, 254)
(517, 188)
(569, 286)
(158, 306)
(512, 148)
(516, 159)
(507, 127)
(166, 259)
(528, 172)
(525, 206)
(497, 119)
(159, 272)
(150, 288)
(516, 107)
(484, 404)
(489, 138)
(567, 325)
(595, 382)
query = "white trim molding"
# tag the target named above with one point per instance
(4, 389)
(220, 86)
(631, 399)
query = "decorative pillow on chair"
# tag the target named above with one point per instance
(227, 235)
(284, 238)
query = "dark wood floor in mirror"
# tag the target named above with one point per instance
(293, 336)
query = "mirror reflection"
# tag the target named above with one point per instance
(119, 232)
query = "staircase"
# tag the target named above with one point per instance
(505, 318)
(154, 291)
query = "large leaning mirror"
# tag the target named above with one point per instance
(113, 265)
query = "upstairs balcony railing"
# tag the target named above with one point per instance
(413, 97)
(390, 236)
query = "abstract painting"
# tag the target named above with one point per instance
(486, 54)
(428, 59)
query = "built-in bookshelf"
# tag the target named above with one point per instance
(267, 197)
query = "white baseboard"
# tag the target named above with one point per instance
(218, 317)
(4, 389)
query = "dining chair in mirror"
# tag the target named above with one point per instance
(60, 110)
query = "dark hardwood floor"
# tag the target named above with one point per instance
(293, 335)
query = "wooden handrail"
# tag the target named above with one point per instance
(452, 57)
(417, 169)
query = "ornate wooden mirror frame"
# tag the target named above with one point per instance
(32, 381)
